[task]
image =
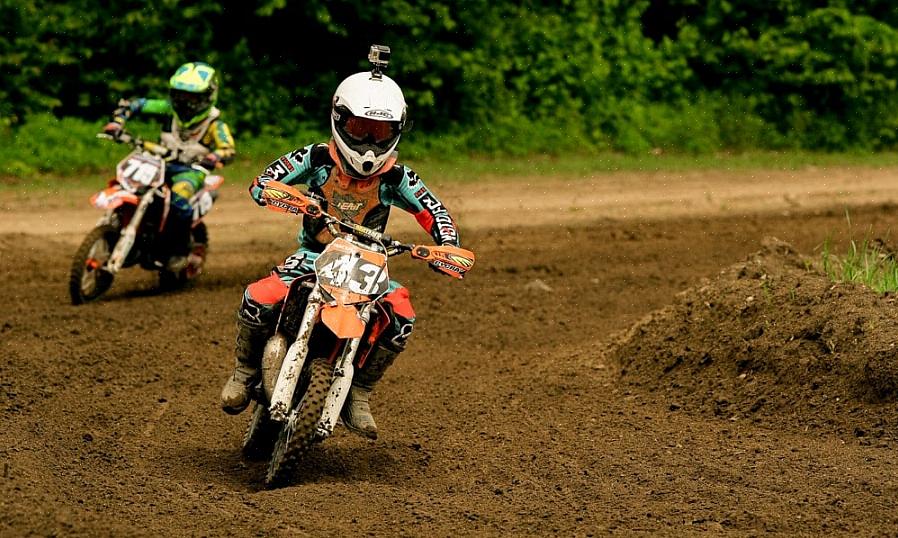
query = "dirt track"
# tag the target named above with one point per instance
(500, 418)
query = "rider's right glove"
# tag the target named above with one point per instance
(113, 129)
(211, 161)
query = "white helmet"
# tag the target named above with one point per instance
(367, 117)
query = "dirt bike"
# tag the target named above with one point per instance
(328, 324)
(130, 232)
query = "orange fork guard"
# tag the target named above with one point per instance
(286, 199)
(454, 261)
(343, 320)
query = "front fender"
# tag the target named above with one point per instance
(113, 197)
(343, 320)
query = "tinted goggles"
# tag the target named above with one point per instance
(368, 130)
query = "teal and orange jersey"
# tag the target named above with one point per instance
(364, 201)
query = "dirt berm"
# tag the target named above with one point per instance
(773, 340)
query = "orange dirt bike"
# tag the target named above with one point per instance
(137, 204)
(327, 326)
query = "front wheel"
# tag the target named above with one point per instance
(87, 279)
(299, 433)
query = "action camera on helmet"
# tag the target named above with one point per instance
(379, 56)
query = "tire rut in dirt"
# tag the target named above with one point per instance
(293, 442)
(102, 279)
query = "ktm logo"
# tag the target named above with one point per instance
(464, 262)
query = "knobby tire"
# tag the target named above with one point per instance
(103, 280)
(295, 441)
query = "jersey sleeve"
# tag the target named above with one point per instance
(294, 168)
(411, 194)
(129, 107)
(220, 139)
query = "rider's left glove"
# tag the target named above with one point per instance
(211, 161)
(113, 129)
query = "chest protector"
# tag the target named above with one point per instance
(188, 142)
(349, 199)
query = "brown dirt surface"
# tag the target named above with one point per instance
(509, 413)
(774, 341)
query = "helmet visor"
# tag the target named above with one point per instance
(370, 131)
(188, 105)
(365, 134)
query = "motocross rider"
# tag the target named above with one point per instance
(357, 176)
(192, 128)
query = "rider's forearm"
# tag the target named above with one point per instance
(221, 140)
(436, 220)
(294, 168)
(412, 195)
(129, 107)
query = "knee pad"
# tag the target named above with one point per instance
(261, 300)
(268, 291)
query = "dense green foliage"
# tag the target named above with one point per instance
(484, 76)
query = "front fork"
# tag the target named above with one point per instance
(295, 360)
(128, 235)
(342, 382)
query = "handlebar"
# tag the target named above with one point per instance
(451, 260)
(135, 141)
(158, 150)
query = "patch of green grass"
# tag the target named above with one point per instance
(52, 153)
(866, 262)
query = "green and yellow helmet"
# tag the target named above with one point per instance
(193, 90)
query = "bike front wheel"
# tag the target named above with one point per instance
(88, 279)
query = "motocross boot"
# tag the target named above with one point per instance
(251, 339)
(356, 413)
(196, 259)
